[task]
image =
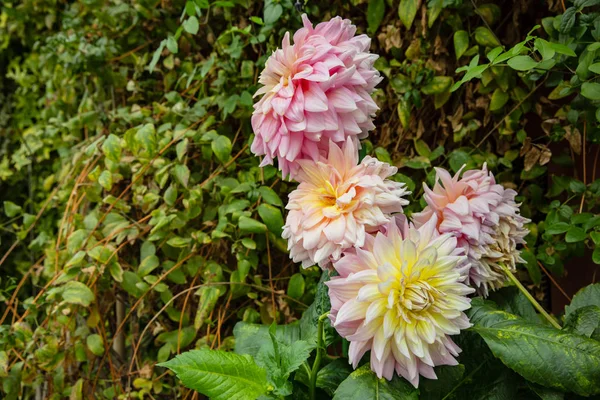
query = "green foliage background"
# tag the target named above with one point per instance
(136, 224)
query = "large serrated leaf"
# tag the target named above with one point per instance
(588, 296)
(219, 375)
(249, 338)
(541, 354)
(364, 384)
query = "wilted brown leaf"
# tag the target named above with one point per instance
(574, 138)
(532, 157)
(545, 156)
(390, 37)
(548, 124)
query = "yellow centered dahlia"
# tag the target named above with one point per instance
(400, 296)
(485, 219)
(315, 91)
(338, 202)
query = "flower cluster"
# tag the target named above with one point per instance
(401, 287)
(337, 203)
(485, 219)
(315, 91)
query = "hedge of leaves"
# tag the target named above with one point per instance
(137, 225)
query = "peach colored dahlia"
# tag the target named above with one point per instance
(401, 296)
(485, 219)
(315, 90)
(338, 202)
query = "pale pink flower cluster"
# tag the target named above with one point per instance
(314, 91)
(485, 219)
(402, 288)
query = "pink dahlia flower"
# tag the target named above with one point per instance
(315, 91)
(485, 219)
(338, 202)
(400, 296)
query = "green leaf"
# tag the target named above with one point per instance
(95, 344)
(11, 209)
(545, 393)
(422, 148)
(591, 90)
(321, 304)
(581, 4)
(458, 158)
(499, 99)
(404, 107)
(190, 8)
(247, 224)
(375, 13)
(130, 283)
(575, 234)
(249, 338)
(191, 25)
(489, 12)
(434, 8)
(557, 228)
(105, 180)
(568, 20)
(296, 285)
(182, 173)
(511, 300)
(522, 63)
(364, 384)
(584, 321)
(492, 55)
(562, 49)
(539, 353)
(219, 375)
(272, 217)
(112, 148)
(532, 266)
(74, 292)
(272, 12)
(485, 37)
(156, 55)
(438, 84)
(179, 242)
(332, 375)
(172, 43)
(270, 196)
(407, 11)
(461, 43)
(148, 265)
(543, 46)
(418, 162)
(116, 271)
(447, 378)
(280, 360)
(588, 296)
(221, 146)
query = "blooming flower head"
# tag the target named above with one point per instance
(316, 90)
(400, 296)
(485, 219)
(337, 202)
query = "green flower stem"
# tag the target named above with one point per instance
(531, 299)
(317, 363)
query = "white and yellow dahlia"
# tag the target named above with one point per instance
(485, 219)
(337, 203)
(401, 296)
